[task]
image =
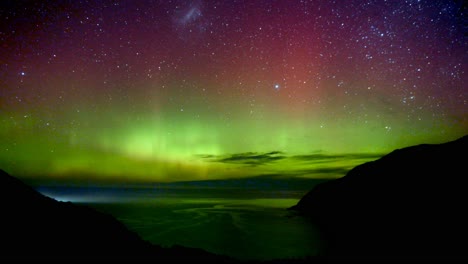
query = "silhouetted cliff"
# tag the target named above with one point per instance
(33, 226)
(410, 203)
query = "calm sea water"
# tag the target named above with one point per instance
(233, 222)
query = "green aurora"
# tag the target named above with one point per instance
(151, 148)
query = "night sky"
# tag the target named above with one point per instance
(192, 90)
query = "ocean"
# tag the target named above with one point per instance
(243, 224)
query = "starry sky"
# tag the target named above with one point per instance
(150, 91)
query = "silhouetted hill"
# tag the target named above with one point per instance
(33, 226)
(409, 203)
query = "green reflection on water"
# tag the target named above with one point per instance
(242, 228)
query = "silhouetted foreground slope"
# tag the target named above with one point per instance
(409, 203)
(33, 226)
